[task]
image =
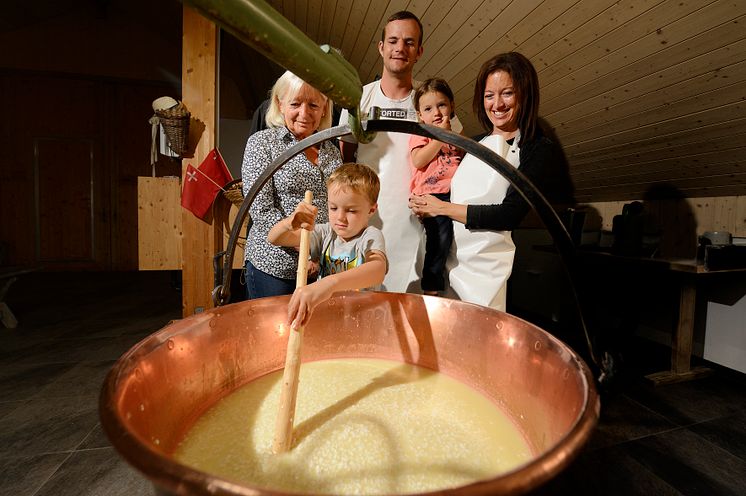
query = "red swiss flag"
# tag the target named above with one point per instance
(201, 185)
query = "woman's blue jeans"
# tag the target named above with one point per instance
(260, 284)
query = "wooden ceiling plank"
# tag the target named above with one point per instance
(724, 180)
(614, 41)
(277, 5)
(471, 59)
(686, 123)
(567, 22)
(708, 90)
(438, 34)
(341, 14)
(419, 7)
(604, 165)
(301, 14)
(465, 34)
(727, 171)
(368, 33)
(355, 23)
(313, 19)
(661, 140)
(326, 18)
(574, 46)
(464, 66)
(288, 10)
(606, 194)
(692, 106)
(711, 91)
(710, 164)
(648, 55)
(634, 154)
(442, 15)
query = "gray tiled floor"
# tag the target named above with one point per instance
(72, 328)
(682, 439)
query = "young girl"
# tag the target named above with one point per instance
(434, 164)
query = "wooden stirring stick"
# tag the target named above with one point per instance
(284, 426)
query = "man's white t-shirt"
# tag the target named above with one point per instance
(388, 155)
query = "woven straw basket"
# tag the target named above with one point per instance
(234, 192)
(175, 122)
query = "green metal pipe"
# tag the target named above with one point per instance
(257, 24)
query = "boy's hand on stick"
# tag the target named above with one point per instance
(304, 217)
(305, 299)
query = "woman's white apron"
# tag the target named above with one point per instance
(480, 261)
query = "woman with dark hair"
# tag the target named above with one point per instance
(484, 206)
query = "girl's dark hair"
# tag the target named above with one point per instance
(434, 84)
(525, 85)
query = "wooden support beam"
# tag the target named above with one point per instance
(201, 240)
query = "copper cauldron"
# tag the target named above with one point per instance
(156, 390)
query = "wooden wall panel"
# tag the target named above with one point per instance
(129, 158)
(159, 227)
(159, 234)
(67, 214)
(720, 213)
(70, 134)
(201, 240)
(55, 142)
(740, 227)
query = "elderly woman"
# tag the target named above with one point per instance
(484, 206)
(296, 111)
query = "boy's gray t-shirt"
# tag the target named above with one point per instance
(335, 255)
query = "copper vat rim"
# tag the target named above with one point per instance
(176, 478)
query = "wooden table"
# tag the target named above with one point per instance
(690, 273)
(9, 275)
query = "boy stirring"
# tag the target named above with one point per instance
(351, 254)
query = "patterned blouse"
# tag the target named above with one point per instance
(282, 193)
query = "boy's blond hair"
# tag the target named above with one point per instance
(358, 177)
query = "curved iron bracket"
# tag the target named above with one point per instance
(521, 183)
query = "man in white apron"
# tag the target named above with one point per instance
(400, 48)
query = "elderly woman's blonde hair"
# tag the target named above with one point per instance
(286, 88)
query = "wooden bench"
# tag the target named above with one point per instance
(9, 275)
